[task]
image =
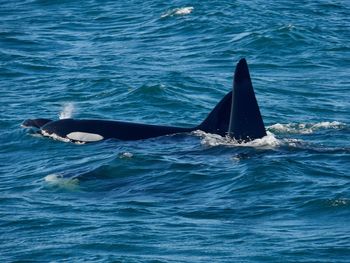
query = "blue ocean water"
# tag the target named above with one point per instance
(182, 198)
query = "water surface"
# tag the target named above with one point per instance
(182, 198)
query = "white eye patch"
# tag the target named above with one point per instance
(84, 137)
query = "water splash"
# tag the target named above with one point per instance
(57, 180)
(178, 11)
(304, 128)
(268, 141)
(67, 111)
(126, 155)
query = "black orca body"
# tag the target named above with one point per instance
(237, 115)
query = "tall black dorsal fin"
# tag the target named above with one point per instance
(245, 122)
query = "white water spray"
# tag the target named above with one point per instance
(67, 111)
(178, 11)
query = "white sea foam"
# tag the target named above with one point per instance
(36, 134)
(304, 128)
(268, 141)
(58, 180)
(184, 10)
(67, 111)
(329, 125)
(126, 155)
(178, 11)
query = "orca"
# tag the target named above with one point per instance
(237, 116)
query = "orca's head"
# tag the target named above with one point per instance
(36, 123)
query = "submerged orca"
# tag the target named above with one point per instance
(237, 115)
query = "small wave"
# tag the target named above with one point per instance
(287, 27)
(304, 128)
(320, 204)
(36, 134)
(178, 11)
(57, 180)
(268, 141)
(67, 112)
